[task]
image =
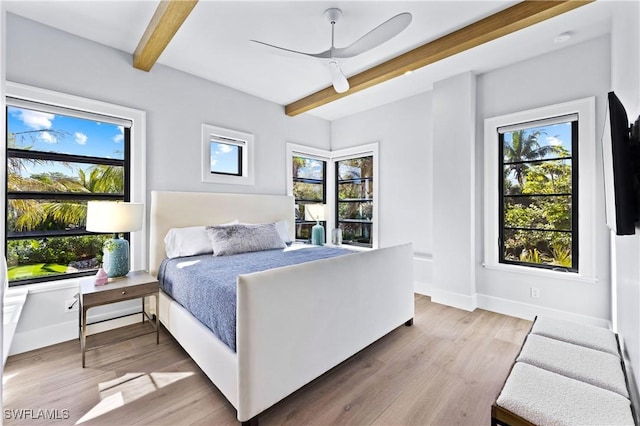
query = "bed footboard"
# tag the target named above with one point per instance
(296, 323)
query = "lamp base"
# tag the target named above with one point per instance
(317, 235)
(116, 257)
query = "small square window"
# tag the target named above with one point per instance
(226, 156)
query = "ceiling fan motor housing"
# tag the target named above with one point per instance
(333, 15)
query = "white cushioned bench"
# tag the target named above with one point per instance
(565, 374)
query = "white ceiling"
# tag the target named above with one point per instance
(213, 43)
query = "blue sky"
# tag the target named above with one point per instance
(64, 134)
(556, 134)
(48, 132)
(224, 158)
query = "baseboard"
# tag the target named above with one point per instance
(422, 288)
(529, 312)
(53, 334)
(456, 300)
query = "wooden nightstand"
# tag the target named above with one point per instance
(134, 285)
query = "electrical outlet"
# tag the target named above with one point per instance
(71, 305)
(535, 292)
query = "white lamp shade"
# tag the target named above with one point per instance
(315, 212)
(116, 217)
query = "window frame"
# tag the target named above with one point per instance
(332, 157)
(246, 158)
(371, 149)
(137, 163)
(575, 252)
(339, 181)
(585, 174)
(294, 150)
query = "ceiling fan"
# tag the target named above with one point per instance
(382, 33)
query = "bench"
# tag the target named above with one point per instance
(565, 374)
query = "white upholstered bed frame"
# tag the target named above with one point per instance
(293, 323)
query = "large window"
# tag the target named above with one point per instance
(540, 190)
(539, 197)
(354, 200)
(309, 182)
(57, 160)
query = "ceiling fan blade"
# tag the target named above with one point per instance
(340, 82)
(288, 52)
(374, 38)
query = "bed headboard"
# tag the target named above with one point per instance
(181, 209)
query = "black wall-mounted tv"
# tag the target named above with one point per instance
(621, 157)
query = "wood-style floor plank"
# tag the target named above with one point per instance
(444, 370)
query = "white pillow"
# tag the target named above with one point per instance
(282, 226)
(189, 241)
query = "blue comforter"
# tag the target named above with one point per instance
(206, 285)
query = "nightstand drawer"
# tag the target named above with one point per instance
(118, 294)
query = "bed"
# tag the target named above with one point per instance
(293, 323)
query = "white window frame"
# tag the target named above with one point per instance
(296, 150)
(585, 109)
(232, 137)
(138, 250)
(331, 157)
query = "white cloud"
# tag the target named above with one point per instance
(35, 119)
(553, 140)
(213, 163)
(225, 149)
(81, 138)
(48, 137)
(120, 136)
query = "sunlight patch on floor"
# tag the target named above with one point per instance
(125, 389)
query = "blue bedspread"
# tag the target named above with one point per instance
(206, 285)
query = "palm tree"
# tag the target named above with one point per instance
(524, 147)
(30, 215)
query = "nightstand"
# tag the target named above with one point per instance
(134, 285)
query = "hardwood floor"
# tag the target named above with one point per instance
(444, 370)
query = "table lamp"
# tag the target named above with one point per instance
(316, 212)
(116, 217)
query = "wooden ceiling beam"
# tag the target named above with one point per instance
(164, 24)
(512, 19)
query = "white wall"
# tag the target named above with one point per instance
(176, 104)
(404, 132)
(625, 81)
(568, 74)
(454, 137)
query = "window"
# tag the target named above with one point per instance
(308, 176)
(58, 159)
(226, 156)
(539, 197)
(354, 200)
(540, 168)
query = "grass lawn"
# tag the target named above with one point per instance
(36, 270)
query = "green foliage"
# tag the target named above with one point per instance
(534, 212)
(60, 250)
(28, 258)
(531, 256)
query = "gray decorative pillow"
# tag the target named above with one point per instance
(244, 238)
